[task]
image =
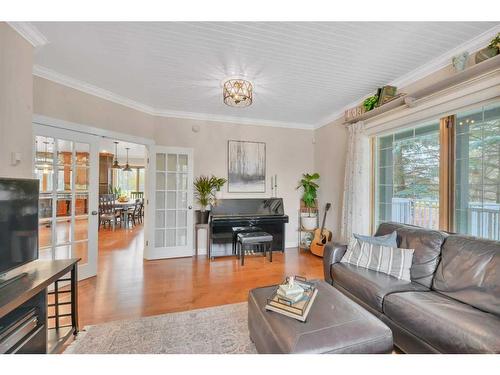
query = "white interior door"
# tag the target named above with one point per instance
(66, 164)
(170, 203)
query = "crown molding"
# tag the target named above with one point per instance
(87, 88)
(232, 119)
(29, 32)
(425, 70)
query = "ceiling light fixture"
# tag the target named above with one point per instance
(127, 167)
(237, 92)
(115, 163)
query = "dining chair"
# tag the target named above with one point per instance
(107, 211)
(133, 213)
(136, 194)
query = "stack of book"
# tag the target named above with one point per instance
(293, 299)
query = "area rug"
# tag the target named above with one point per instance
(214, 330)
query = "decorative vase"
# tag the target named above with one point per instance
(460, 61)
(308, 222)
(485, 54)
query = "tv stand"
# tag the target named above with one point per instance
(5, 282)
(27, 325)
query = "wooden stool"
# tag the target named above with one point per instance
(254, 239)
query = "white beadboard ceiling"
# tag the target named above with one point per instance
(304, 73)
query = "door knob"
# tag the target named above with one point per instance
(190, 207)
(94, 212)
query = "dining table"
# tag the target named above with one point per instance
(125, 206)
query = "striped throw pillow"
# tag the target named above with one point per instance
(389, 260)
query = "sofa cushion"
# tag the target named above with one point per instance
(370, 286)
(449, 326)
(389, 260)
(390, 240)
(426, 243)
(470, 272)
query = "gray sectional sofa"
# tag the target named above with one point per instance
(451, 305)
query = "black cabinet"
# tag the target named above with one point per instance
(31, 308)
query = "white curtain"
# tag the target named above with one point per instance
(356, 200)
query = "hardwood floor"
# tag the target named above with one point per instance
(127, 286)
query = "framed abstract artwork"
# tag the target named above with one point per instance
(246, 167)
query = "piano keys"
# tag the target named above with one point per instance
(264, 213)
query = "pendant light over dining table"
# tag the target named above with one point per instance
(115, 162)
(127, 166)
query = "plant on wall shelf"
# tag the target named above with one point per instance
(310, 190)
(370, 103)
(495, 42)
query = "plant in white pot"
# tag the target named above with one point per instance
(309, 198)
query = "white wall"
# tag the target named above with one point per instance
(289, 151)
(330, 148)
(16, 102)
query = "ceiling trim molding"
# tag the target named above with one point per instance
(87, 88)
(29, 32)
(232, 119)
(423, 71)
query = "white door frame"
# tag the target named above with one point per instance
(151, 252)
(86, 129)
(88, 269)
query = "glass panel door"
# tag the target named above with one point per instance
(477, 172)
(172, 173)
(66, 164)
(407, 176)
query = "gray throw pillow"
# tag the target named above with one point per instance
(390, 240)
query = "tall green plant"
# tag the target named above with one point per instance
(310, 189)
(205, 188)
(203, 191)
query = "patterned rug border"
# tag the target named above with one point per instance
(74, 346)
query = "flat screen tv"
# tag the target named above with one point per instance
(18, 222)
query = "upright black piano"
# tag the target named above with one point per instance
(264, 213)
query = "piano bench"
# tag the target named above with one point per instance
(238, 230)
(259, 239)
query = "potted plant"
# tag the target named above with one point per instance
(203, 193)
(370, 103)
(492, 50)
(309, 198)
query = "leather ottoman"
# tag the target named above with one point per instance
(335, 325)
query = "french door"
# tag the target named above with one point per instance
(66, 164)
(170, 202)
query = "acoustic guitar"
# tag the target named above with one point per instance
(321, 236)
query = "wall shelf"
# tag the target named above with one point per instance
(409, 99)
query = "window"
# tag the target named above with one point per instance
(129, 181)
(477, 172)
(407, 174)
